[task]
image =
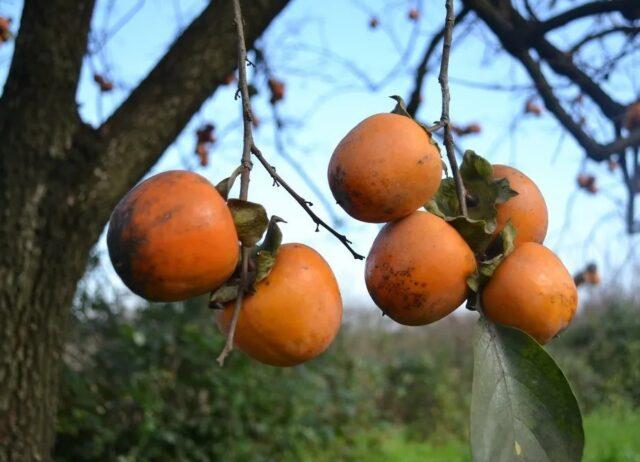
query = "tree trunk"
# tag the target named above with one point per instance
(59, 180)
(34, 302)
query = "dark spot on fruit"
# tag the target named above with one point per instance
(123, 242)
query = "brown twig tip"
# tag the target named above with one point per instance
(305, 204)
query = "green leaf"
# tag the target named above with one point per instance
(225, 185)
(250, 220)
(267, 252)
(483, 193)
(522, 407)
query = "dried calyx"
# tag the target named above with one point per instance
(252, 225)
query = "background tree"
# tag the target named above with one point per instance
(60, 177)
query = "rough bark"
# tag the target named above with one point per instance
(59, 179)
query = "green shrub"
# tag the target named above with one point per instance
(142, 384)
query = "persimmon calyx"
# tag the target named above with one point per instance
(483, 194)
(250, 219)
(224, 187)
(401, 109)
(261, 262)
(499, 249)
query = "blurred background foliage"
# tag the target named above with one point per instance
(142, 384)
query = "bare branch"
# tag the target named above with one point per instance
(582, 11)
(628, 30)
(421, 71)
(247, 143)
(132, 139)
(516, 35)
(303, 203)
(446, 97)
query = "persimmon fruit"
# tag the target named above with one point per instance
(417, 269)
(294, 313)
(385, 168)
(527, 211)
(172, 237)
(632, 116)
(532, 291)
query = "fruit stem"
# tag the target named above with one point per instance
(247, 118)
(445, 123)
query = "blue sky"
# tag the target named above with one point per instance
(309, 47)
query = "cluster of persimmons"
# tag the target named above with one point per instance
(175, 236)
(420, 266)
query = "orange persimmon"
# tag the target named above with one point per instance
(294, 313)
(172, 237)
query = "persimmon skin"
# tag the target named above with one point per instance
(527, 211)
(172, 237)
(294, 314)
(417, 269)
(533, 291)
(384, 169)
(632, 117)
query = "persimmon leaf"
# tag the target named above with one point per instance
(522, 407)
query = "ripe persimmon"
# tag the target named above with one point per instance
(294, 314)
(533, 291)
(172, 237)
(527, 211)
(632, 116)
(384, 169)
(417, 269)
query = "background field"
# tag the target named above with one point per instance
(143, 385)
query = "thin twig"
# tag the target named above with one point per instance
(247, 118)
(445, 121)
(303, 203)
(421, 71)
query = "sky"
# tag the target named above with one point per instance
(331, 60)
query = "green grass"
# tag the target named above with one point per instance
(610, 437)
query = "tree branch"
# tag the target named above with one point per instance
(132, 139)
(516, 35)
(422, 69)
(247, 143)
(582, 11)
(627, 30)
(445, 121)
(306, 205)
(593, 149)
(41, 86)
